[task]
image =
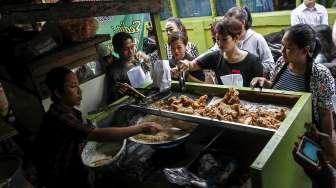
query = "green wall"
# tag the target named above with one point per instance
(267, 22)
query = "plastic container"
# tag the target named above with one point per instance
(232, 80)
(104, 156)
(136, 76)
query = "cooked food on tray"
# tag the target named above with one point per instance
(229, 108)
(183, 104)
(172, 130)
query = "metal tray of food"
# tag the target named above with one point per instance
(202, 119)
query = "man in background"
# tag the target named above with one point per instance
(309, 12)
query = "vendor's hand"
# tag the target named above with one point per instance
(260, 82)
(209, 79)
(141, 56)
(184, 65)
(320, 175)
(310, 170)
(324, 140)
(123, 88)
(126, 89)
(328, 147)
(150, 128)
(175, 73)
(326, 177)
(311, 131)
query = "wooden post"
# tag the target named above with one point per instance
(213, 4)
(27, 13)
(156, 22)
(238, 3)
(173, 8)
(298, 2)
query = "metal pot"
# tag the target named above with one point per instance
(104, 156)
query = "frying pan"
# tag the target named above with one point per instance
(165, 143)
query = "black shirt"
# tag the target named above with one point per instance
(249, 67)
(59, 145)
(116, 72)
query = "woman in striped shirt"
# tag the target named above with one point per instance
(297, 71)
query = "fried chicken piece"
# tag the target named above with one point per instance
(265, 121)
(186, 110)
(231, 97)
(207, 112)
(186, 101)
(175, 107)
(227, 117)
(280, 115)
(200, 102)
(225, 109)
(245, 120)
(172, 100)
(202, 99)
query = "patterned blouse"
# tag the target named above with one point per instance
(322, 86)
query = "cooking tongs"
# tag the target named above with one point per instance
(131, 91)
(182, 81)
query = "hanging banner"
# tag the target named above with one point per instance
(132, 24)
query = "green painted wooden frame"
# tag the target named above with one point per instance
(263, 23)
(213, 4)
(274, 167)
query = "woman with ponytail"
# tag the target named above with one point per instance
(296, 70)
(250, 40)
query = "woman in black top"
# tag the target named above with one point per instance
(230, 59)
(178, 43)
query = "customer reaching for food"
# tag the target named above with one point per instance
(230, 59)
(178, 43)
(297, 71)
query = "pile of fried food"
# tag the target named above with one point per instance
(172, 129)
(228, 109)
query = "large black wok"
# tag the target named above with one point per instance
(177, 130)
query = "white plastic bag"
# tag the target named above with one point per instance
(136, 76)
(161, 74)
(232, 80)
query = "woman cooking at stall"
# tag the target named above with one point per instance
(63, 134)
(297, 71)
(230, 59)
